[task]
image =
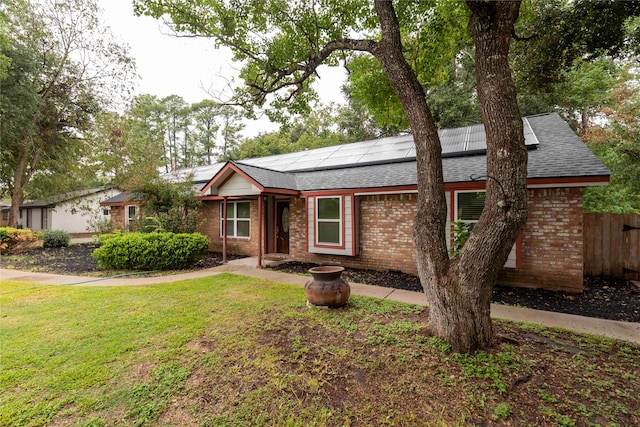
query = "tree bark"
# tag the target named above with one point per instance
(21, 177)
(459, 290)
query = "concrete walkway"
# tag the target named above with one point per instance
(247, 266)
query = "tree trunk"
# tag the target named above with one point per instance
(459, 290)
(18, 185)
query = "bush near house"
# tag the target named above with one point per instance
(15, 240)
(150, 251)
(55, 239)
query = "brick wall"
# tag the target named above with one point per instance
(551, 245)
(209, 225)
(117, 217)
(386, 234)
(551, 251)
(552, 242)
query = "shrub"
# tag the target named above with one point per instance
(150, 251)
(100, 225)
(55, 239)
(15, 240)
(101, 239)
(461, 232)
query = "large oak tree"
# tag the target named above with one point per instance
(282, 43)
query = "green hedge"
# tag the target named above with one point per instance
(150, 251)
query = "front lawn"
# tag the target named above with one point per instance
(231, 351)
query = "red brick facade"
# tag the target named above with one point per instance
(117, 217)
(551, 242)
(551, 251)
(210, 227)
(385, 238)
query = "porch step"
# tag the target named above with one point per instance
(270, 260)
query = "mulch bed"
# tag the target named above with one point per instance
(603, 297)
(77, 260)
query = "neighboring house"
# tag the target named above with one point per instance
(124, 209)
(4, 214)
(71, 212)
(354, 204)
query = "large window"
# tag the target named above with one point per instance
(329, 221)
(238, 219)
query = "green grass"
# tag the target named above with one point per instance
(229, 350)
(72, 349)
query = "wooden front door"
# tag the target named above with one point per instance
(282, 227)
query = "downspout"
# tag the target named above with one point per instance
(224, 230)
(260, 226)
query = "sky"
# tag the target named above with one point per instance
(188, 67)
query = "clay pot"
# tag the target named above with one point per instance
(327, 287)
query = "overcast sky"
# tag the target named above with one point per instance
(186, 66)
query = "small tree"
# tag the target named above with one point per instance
(168, 206)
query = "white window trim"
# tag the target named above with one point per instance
(340, 221)
(455, 201)
(128, 217)
(455, 218)
(234, 220)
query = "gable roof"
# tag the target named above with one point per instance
(121, 198)
(555, 152)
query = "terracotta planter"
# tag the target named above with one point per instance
(327, 287)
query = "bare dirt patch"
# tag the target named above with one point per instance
(388, 370)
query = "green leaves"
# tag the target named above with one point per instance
(150, 251)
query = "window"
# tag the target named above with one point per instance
(105, 211)
(470, 206)
(132, 213)
(329, 220)
(44, 219)
(238, 219)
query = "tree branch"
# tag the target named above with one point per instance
(520, 39)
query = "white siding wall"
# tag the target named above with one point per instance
(237, 185)
(71, 218)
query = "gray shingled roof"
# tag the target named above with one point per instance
(557, 153)
(121, 198)
(52, 201)
(269, 178)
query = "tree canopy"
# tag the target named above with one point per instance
(64, 68)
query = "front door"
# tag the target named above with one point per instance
(282, 227)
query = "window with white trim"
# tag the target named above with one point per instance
(469, 205)
(329, 221)
(132, 213)
(238, 219)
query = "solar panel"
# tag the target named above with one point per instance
(462, 141)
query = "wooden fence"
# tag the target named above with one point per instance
(612, 245)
